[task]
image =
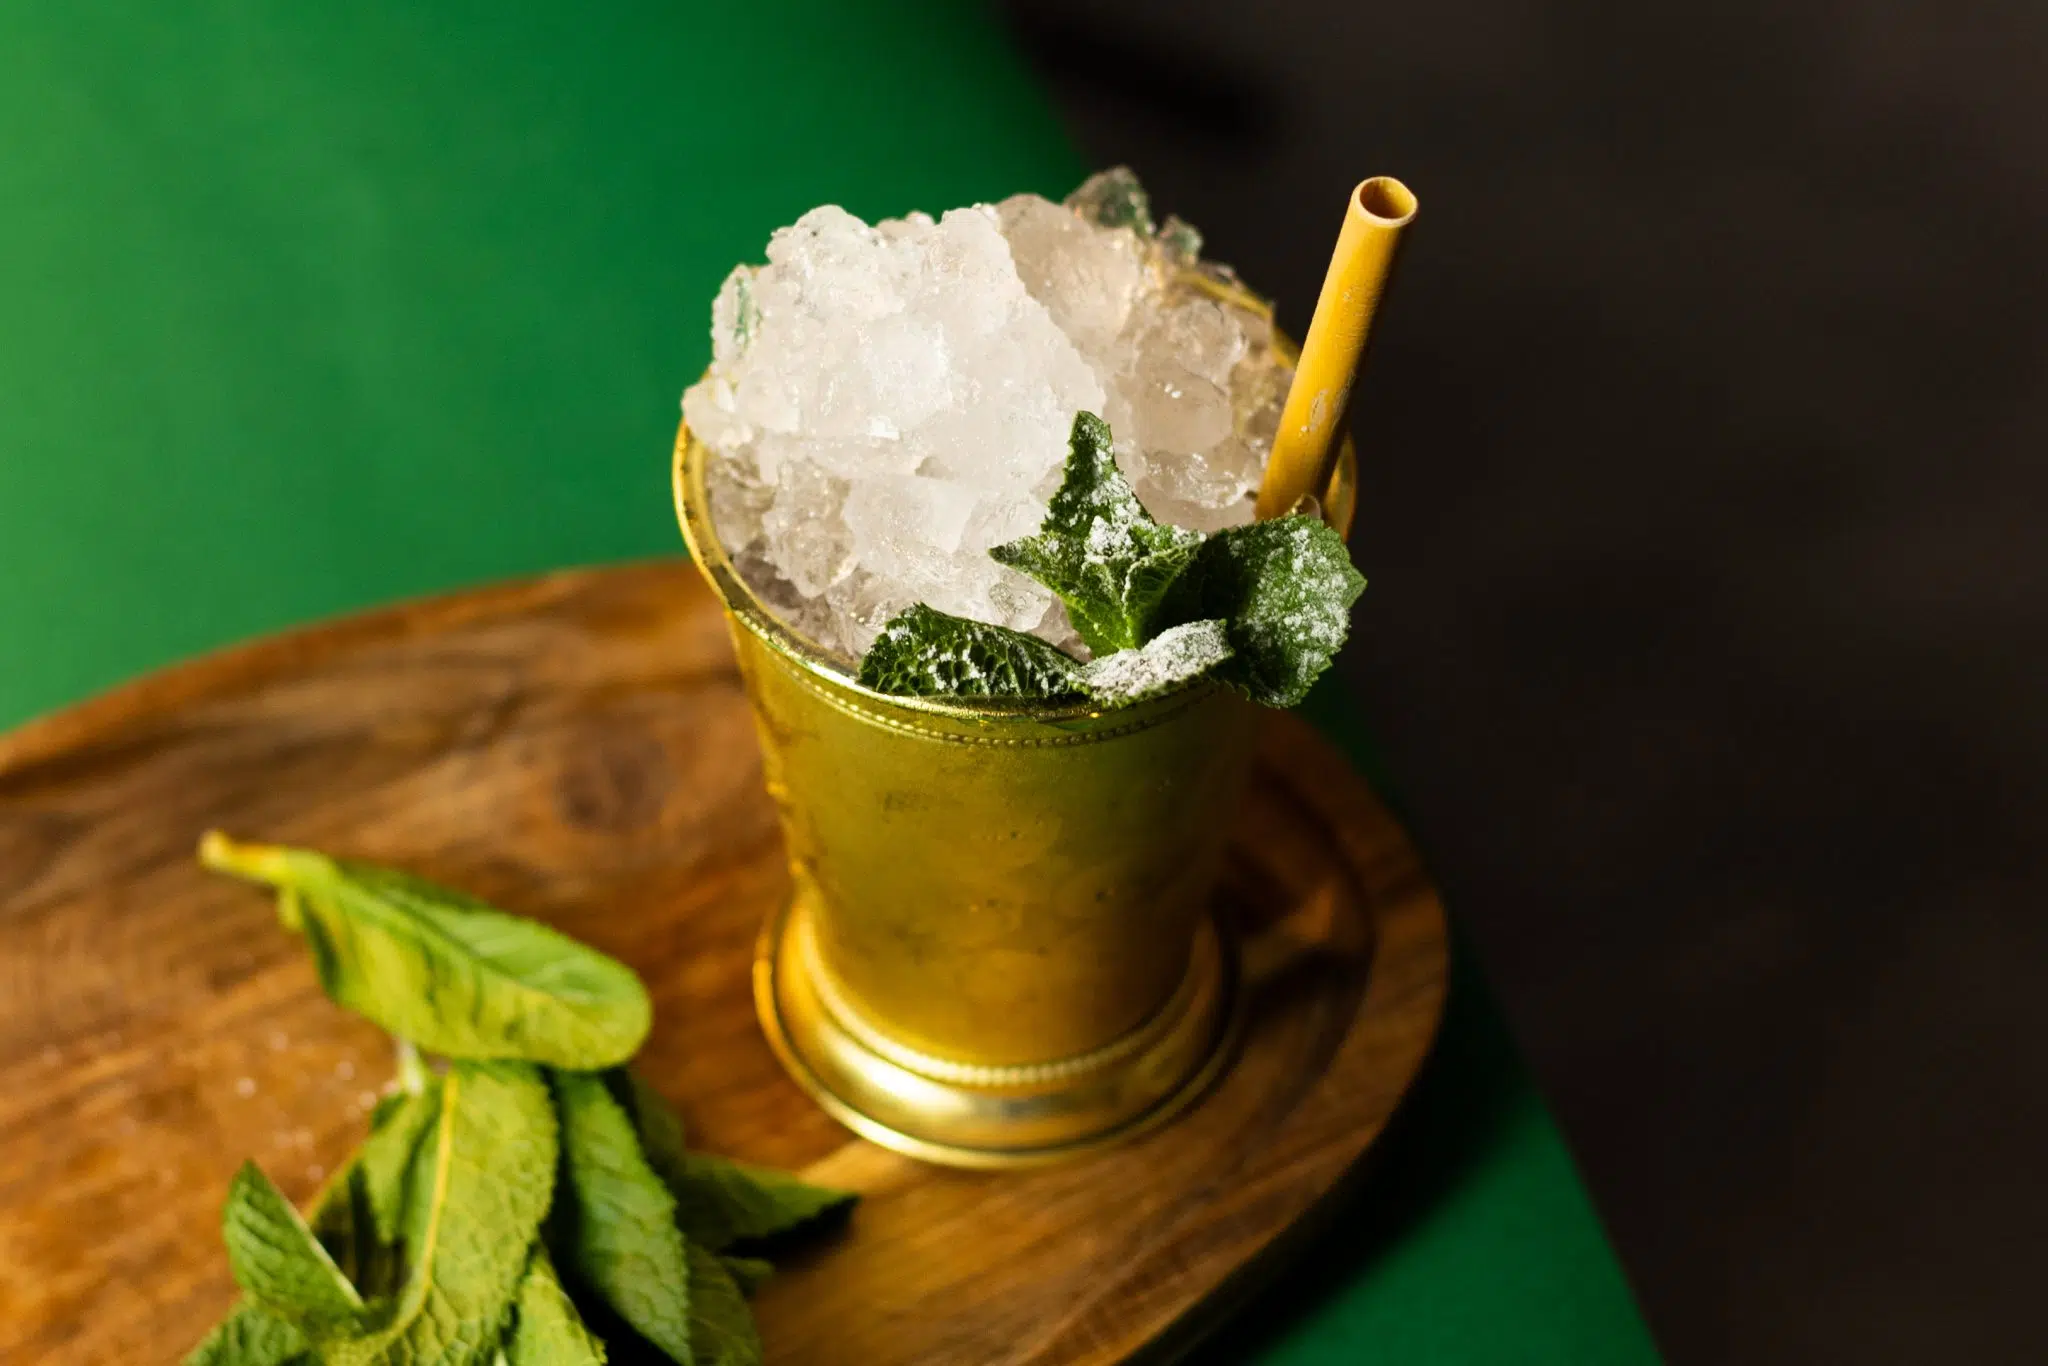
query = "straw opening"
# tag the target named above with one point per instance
(1387, 200)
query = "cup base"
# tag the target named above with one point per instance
(967, 1115)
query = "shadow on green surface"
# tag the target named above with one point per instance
(1446, 1128)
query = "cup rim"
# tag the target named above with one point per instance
(746, 606)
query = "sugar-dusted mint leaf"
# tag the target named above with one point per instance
(1285, 587)
(720, 1202)
(278, 1261)
(1099, 550)
(1166, 661)
(478, 1186)
(923, 652)
(1114, 199)
(614, 1225)
(547, 1330)
(444, 970)
(1182, 241)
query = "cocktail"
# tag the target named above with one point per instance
(979, 495)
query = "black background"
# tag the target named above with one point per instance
(1705, 449)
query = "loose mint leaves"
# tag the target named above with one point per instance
(443, 970)
(478, 1187)
(1098, 548)
(359, 1216)
(355, 1217)
(473, 1191)
(438, 1242)
(548, 1331)
(1284, 588)
(252, 1336)
(722, 1331)
(720, 1202)
(278, 1261)
(1263, 607)
(615, 1221)
(923, 652)
(748, 1273)
(658, 1126)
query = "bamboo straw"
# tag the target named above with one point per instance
(1305, 450)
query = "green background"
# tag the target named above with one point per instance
(304, 307)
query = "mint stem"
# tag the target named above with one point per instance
(256, 862)
(412, 1073)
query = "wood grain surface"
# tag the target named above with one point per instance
(577, 748)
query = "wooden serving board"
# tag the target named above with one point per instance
(577, 748)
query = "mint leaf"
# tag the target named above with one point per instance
(278, 1261)
(476, 1191)
(548, 1331)
(358, 1215)
(443, 970)
(616, 1221)
(387, 1155)
(923, 652)
(720, 1202)
(355, 1217)
(345, 1222)
(722, 1331)
(1285, 588)
(1264, 607)
(1166, 661)
(748, 1273)
(252, 1336)
(1098, 548)
(659, 1127)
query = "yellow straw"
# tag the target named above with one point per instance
(1305, 450)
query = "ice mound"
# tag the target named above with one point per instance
(885, 403)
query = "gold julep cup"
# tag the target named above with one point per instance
(1000, 946)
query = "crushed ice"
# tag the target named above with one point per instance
(887, 402)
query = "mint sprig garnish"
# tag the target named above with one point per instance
(1284, 590)
(924, 652)
(1264, 608)
(1100, 550)
(501, 1211)
(1161, 664)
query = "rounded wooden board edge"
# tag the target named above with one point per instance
(211, 670)
(1187, 1334)
(93, 733)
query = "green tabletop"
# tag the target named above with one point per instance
(308, 306)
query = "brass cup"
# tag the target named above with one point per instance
(999, 947)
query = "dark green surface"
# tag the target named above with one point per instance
(305, 306)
